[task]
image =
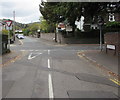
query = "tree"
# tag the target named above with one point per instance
(34, 27)
(56, 12)
(71, 11)
(45, 26)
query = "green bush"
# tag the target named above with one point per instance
(113, 25)
(5, 32)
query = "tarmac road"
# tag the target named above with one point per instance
(49, 70)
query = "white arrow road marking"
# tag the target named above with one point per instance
(31, 57)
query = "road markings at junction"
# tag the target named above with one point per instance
(21, 43)
(31, 57)
(115, 81)
(48, 52)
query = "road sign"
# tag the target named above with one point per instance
(8, 23)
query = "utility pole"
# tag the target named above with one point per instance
(101, 47)
(14, 25)
(100, 23)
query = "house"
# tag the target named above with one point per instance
(2, 25)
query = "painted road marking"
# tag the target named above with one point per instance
(115, 81)
(31, 57)
(48, 63)
(21, 42)
(34, 50)
(80, 54)
(12, 45)
(50, 85)
(48, 52)
(51, 95)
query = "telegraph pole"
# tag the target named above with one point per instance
(100, 23)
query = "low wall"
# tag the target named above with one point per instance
(3, 43)
(69, 40)
(48, 36)
(113, 38)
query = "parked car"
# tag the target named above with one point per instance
(20, 36)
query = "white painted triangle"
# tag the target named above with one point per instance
(31, 57)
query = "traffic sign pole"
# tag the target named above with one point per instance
(8, 24)
(9, 38)
(101, 47)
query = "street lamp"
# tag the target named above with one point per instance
(100, 23)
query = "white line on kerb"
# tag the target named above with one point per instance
(50, 87)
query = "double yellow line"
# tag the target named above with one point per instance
(115, 81)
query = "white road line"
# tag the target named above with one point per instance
(50, 86)
(29, 57)
(31, 50)
(48, 63)
(51, 95)
(21, 42)
(48, 52)
(36, 50)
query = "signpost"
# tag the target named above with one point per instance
(9, 23)
(100, 23)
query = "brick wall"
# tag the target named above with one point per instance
(113, 38)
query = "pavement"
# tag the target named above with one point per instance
(12, 56)
(107, 63)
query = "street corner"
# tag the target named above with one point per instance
(83, 53)
(11, 57)
(114, 77)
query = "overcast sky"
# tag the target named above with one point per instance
(26, 11)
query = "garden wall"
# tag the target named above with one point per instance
(113, 38)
